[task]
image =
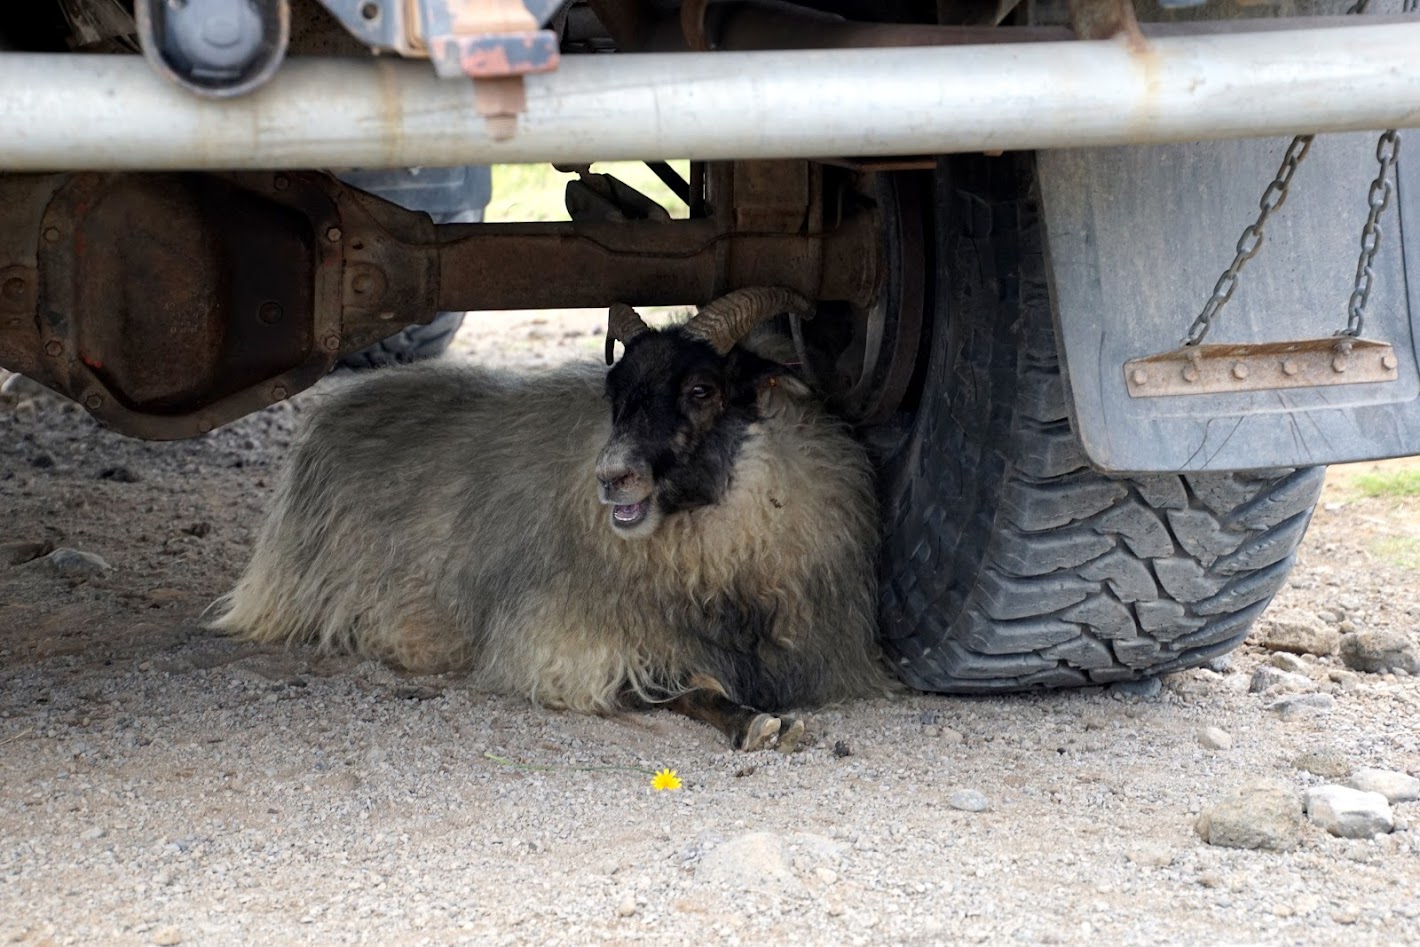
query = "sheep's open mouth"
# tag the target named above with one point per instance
(629, 514)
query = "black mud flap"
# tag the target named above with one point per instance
(1138, 236)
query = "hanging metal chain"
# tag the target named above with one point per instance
(1378, 197)
(1251, 240)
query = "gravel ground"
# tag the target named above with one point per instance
(160, 785)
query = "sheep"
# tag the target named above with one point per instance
(689, 528)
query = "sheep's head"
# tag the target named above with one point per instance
(682, 399)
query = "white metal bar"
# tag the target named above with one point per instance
(112, 112)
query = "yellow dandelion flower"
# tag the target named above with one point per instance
(665, 779)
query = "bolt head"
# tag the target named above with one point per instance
(331, 342)
(1290, 367)
(1389, 361)
(54, 348)
(362, 283)
(94, 402)
(12, 288)
(1190, 373)
(1239, 371)
(204, 426)
(1338, 364)
(281, 182)
(278, 392)
(269, 313)
(51, 234)
(1139, 377)
(333, 235)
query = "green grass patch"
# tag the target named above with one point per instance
(1389, 484)
(1402, 551)
(533, 192)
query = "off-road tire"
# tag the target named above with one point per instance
(411, 344)
(1009, 563)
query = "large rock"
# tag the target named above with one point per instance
(1270, 680)
(1379, 652)
(1396, 787)
(1302, 705)
(1349, 813)
(759, 860)
(1263, 815)
(17, 553)
(1299, 633)
(71, 562)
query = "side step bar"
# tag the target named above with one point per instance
(89, 112)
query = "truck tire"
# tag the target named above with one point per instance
(1008, 562)
(411, 344)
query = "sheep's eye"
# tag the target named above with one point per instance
(700, 392)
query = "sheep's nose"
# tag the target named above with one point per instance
(616, 478)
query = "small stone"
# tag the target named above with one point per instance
(1301, 705)
(1349, 813)
(1299, 633)
(1332, 616)
(968, 800)
(200, 530)
(167, 936)
(18, 553)
(68, 561)
(841, 749)
(1347, 627)
(1285, 661)
(1268, 679)
(1150, 856)
(118, 474)
(1212, 738)
(26, 411)
(1260, 816)
(1222, 664)
(931, 731)
(1146, 688)
(1396, 787)
(948, 735)
(42, 462)
(1344, 680)
(1345, 916)
(626, 908)
(827, 875)
(1326, 763)
(1379, 651)
(93, 834)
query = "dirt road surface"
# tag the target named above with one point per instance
(162, 785)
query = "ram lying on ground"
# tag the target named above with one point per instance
(689, 529)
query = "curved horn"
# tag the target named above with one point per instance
(728, 319)
(622, 325)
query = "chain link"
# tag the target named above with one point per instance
(1378, 197)
(1251, 240)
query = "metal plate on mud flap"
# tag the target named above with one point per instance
(1136, 238)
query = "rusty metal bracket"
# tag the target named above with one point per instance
(1211, 369)
(477, 39)
(486, 39)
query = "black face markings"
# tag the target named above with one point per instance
(686, 410)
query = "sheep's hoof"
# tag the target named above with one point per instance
(760, 733)
(789, 738)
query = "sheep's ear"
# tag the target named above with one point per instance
(752, 377)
